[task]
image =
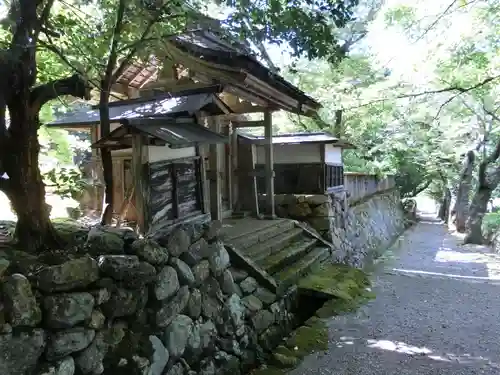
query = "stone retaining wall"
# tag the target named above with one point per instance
(123, 305)
(356, 231)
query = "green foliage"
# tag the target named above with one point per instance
(65, 182)
(308, 27)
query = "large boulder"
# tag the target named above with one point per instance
(166, 283)
(172, 307)
(150, 251)
(73, 340)
(90, 360)
(178, 242)
(159, 358)
(218, 258)
(20, 353)
(127, 269)
(105, 240)
(184, 272)
(177, 335)
(65, 366)
(124, 302)
(67, 310)
(196, 252)
(73, 274)
(20, 303)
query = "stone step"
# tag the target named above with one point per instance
(292, 274)
(287, 255)
(253, 237)
(262, 250)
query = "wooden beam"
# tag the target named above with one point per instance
(269, 164)
(215, 173)
(247, 124)
(141, 181)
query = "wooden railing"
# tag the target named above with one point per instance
(361, 185)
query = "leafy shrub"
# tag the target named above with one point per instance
(66, 182)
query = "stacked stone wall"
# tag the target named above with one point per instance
(358, 232)
(172, 305)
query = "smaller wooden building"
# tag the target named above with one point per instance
(168, 173)
(304, 163)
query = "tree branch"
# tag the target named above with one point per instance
(135, 46)
(460, 90)
(74, 86)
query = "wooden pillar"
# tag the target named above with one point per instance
(215, 174)
(205, 185)
(141, 181)
(235, 180)
(229, 166)
(269, 166)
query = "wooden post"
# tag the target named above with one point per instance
(205, 185)
(235, 180)
(229, 167)
(141, 181)
(269, 166)
(215, 174)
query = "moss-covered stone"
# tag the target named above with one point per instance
(306, 340)
(336, 281)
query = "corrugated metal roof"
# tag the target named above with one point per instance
(165, 105)
(294, 138)
(176, 135)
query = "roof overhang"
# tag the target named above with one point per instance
(160, 132)
(179, 104)
(298, 138)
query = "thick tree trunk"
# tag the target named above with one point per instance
(26, 189)
(107, 161)
(461, 209)
(476, 214)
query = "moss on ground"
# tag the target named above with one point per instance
(347, 289)
(336, 281)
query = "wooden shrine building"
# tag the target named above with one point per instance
(169, 130)
(304, 163)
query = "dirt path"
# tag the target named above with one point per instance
(437, 312)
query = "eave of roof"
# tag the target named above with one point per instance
(233, 57)
(181, 104)
(176, 135)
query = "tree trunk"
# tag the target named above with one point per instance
(444, 208)
(26, 190)
(461, 209)
(476, 214)
(107, 161)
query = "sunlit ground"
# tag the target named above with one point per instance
(59, 207)
(408, 349)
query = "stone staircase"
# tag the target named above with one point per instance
(284, 250)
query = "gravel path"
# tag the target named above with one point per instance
(437, 312)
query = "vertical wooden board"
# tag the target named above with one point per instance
(140, 173)
(118, 194)
(234, 168)
(229, 167)
(269, 167)
(205, 186)
(215, 172)
(253, 183)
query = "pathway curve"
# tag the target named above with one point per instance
(437, 312)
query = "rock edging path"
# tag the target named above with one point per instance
(436, 313)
